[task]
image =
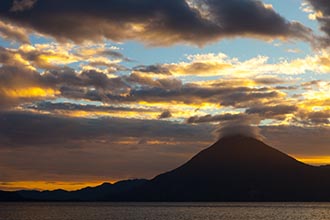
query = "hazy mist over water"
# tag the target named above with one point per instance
(164, 211)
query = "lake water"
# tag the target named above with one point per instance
(164, 211)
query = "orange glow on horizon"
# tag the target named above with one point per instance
(315, 160)
(48, 185)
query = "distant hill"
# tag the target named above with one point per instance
(9, 196)
(325, 166)
(235, 168)
(99, 193)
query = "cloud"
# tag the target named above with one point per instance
(22, 81)
(93, 111)
(22, 5)
(48, 147)
(165, 114)
(216, 118)
(14, 33)
(66, 106)
(148, 81)
(314, 118)
(155, 23)
(204, 65)
(195, 94)
(55, 56)
(27, 129)
(18, 86)
(272, 111)
(298, 140)
(232, 124)
(263, 94)
(103, 85)
(310, 109)
(155, 69)
(239, 128)
(321, 12)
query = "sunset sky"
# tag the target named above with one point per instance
(100, 91)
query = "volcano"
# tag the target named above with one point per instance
(238, 168)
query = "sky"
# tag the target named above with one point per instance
(101, 91)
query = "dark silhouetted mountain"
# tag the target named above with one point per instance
(238, 168)
(9, 196)
(325, 167)
(235, 168)
(98, 193)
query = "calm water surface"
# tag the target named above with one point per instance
(164, 211)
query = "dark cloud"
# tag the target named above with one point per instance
(298, 140)
(269, 80)
(216, 118)
(15, 83)
(100, 161)
(195, 94)
(314, 118)
(16, 77)
(165, 114)
(7, 57)
(243, 99)
(232, 124)
(154, 22)
(155, 69)
(252, 17)
(20, 83)
(324, 7)
(22, 5)
(100, 80)
(36, 58)
(286, 87)
(26, 129)
(66, 106)
(87, 79)
(239, 128)
(310, 84)
(110, 67)
(13, 33)
(114, 54)
(247, 123)
(193, 68)
(252, 114)
(138, 80)
(272, 111)
(45, 147)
